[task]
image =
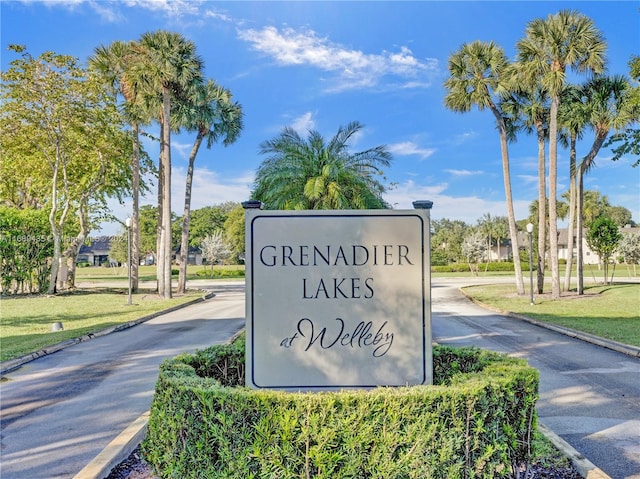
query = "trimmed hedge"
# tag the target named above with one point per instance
(482, 267)
(476, 422)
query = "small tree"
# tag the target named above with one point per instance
(629, 249)
(215, 249)
(474, 247)
(603, 238)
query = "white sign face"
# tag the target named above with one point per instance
(338, 299)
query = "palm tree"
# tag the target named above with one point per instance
(566, 39)
(212, 115)
(528, 109)
(308, 174)
(572, 119)
(169, 68)
(605, 103)
(113, 64)
(479, 74)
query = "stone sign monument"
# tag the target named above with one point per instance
(338, 299)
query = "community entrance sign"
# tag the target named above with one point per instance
(338, 299)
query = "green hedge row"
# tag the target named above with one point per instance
(475, 422)
(464, 267)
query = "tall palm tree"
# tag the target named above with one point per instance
(528, 108)
(212, 114)
(572, 119)
(169, 68)
(313, 174)
(480, 74)
(606, 110)
(113, 64)
(567, 39)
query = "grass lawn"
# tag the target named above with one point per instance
(611, 312)
(25, 322)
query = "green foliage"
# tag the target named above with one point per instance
(204, 424)
(26, 247)
(312, 173)
(234, 228)
(221, 272)
(465, 267)
(603, 238)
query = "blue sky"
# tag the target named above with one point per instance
(320, 65)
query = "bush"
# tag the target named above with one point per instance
(475, 422)
(493, 267)
(83, 264)
(220, 272)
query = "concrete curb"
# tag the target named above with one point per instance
(13, 364)
(585, 468)
(627, 349)
(116, 451)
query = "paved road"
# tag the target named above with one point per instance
(589, 396)
(60, 411)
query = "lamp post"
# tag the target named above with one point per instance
(127, 222)
(530, 233)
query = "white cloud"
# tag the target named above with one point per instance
(303, 123)
(172, 8)
(209, 188)
(353, 68)
(410, 148)
(466, 208)
(464, 172)
(464, 137)
(528, 179)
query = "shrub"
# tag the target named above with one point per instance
(493, 267)
(475, 422)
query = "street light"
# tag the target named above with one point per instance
(127, 223)
(530, 232)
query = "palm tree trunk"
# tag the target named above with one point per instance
(587, 162)
(572, 211)
(184, 239)
(165, 150)
(579, 260)
(542, 210)
(135, 214)
(159, 237)
(513, 231)
(553, 186)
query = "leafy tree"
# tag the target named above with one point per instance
(63, 139)
(620, 216)
(215, 249)
(474, 248)
(26, 247)
(204, 221)
(309, 174)
(447, 237)
(629, 249)
(119, 250)
(603, 238)
(234, 228)
(628, 140)
(169, 69)
(567, 39)
(480, 74)
(211, 113)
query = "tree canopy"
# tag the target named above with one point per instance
(312, 173)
